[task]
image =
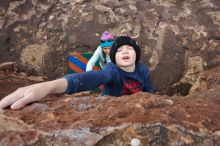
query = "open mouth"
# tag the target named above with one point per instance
(125, 58)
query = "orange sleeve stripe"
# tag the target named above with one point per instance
(81, 58)
(75, 68)
(84, 60)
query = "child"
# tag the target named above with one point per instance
(102, 52)
(123, 76)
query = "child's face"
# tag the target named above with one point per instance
(125, 56)
(106, 50)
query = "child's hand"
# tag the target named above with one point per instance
(24, 96)
(35, 92)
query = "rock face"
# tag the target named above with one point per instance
(180, 42)
(87, 119)
(179, 39)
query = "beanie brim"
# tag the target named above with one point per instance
(107, 44)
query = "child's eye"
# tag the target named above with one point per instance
(130, 48)
(119, 50)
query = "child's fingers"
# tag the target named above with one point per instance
(3, 104)
(22, 102)
(10, 99)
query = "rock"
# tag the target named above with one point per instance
(7, 66)
(179, 40)
(89, 119)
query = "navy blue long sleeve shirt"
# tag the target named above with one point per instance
(116, 81)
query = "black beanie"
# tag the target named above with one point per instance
(125, 40)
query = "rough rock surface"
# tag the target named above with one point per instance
(86, 119)
(179, 39)
(180, 42)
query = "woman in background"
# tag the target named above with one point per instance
(102, 53)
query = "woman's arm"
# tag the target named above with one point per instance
(31, 93)
(94, 59)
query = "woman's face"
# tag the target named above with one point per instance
(106, 50)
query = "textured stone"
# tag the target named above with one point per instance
(86, 119)
(179, 42)
(176, 37)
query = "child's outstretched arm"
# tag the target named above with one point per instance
(69, 84)
(35, 92)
